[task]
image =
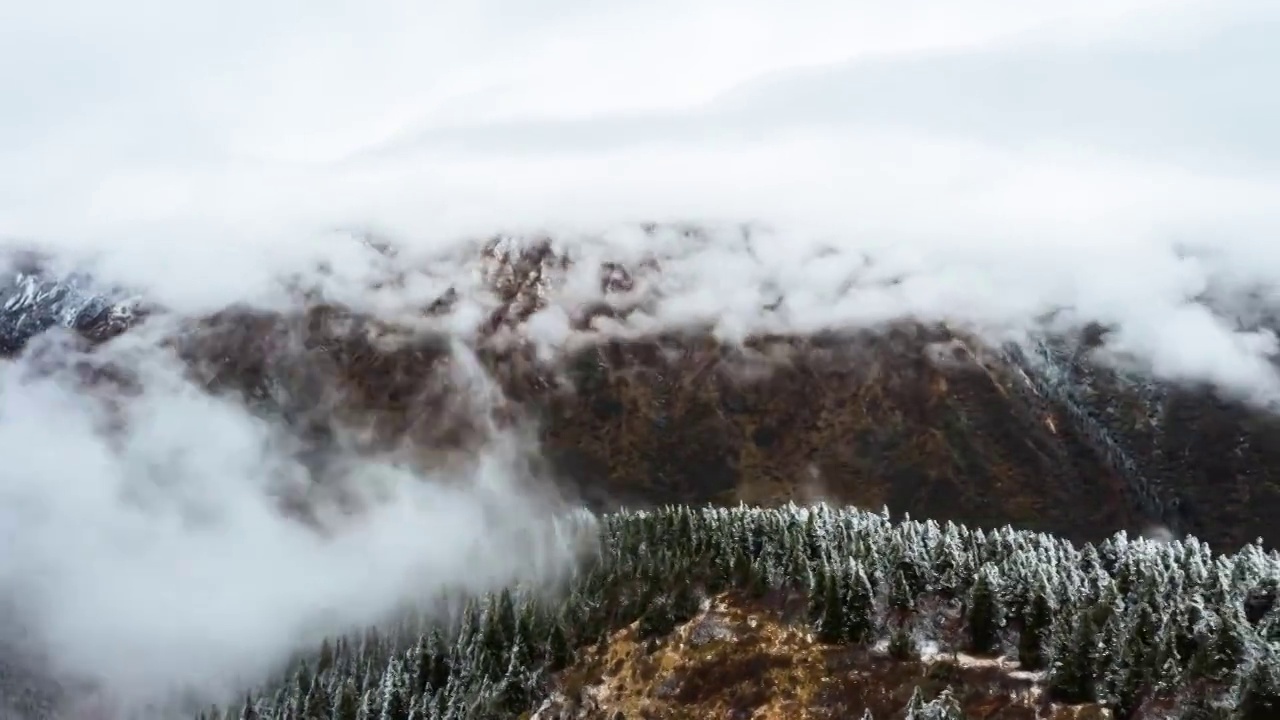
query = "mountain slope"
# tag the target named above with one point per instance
(825, 613)
(921, 418)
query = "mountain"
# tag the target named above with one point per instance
(922, 419)
(925, 419)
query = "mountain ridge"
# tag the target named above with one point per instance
(606, 414)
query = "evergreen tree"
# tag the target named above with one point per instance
(1187, 625)
(500, 627)
(249, 711)
(370, 707)
(1206, 706)
(902, 640)
(559, 652)
(280, 703)
(521, 651)
(942, 707)
(302, 682)
(325, 659)
(394, 692)
(1260, 688)
(915, 706)
(984, 612)
(830, 610)
(1224, 649)
(685, 602)
(1074, 669)
(316, 705)
(1037, 624)
(658, 619)
(418, 666)
(1127, 681)
(901, 598)
(347, 705)
(859, 610)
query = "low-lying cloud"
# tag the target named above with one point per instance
(149, 544)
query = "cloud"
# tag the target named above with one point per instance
(982, 162)
(147, 547)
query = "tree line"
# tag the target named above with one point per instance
(1129, 623)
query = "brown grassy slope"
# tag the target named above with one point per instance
(1223, 465)
(905, 417)
(910, 417)
(1216, 460)
(871, 419)
(741, 658)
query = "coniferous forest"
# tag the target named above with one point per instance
(1148, 629)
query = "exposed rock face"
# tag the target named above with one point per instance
(919, 418)
(31, 303)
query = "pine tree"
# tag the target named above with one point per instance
(317, 704)
(1224, 650)
(418, 666)
(759, 578)
(1206, 706)
(1187, 625)
(280, 703)
(830, 610)
(859, 611)
(984, 612)
(559, 652)
(326, 657)
(394, 695)
(1260, 688)
(1127, 680)
(658, 619)
(500, 628)
(521, 651)
(347, 705)
(370, 706)
(915, 706)
(902, 640)
(437, 666)
(942, 707)
(249, 711)
(685, 602)
(1075, 661)
(901, 598)
(1037, 625)
(302, 682)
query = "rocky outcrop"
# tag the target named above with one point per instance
(31, 303)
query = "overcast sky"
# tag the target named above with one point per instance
(1068, 153)
(93, 88)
